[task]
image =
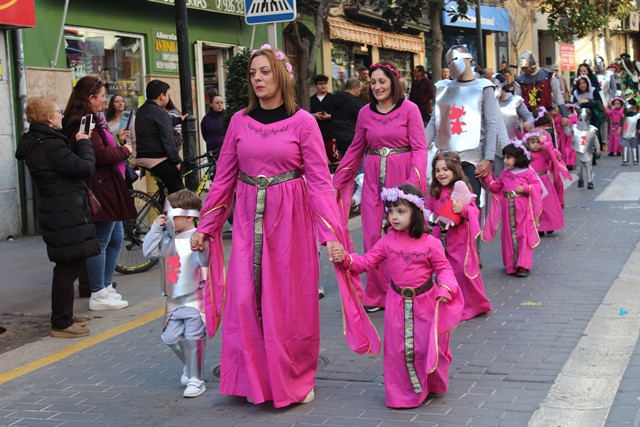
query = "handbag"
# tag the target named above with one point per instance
(130, 175)
(94, 203)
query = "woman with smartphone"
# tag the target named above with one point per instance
(107, 183)
(119, 119)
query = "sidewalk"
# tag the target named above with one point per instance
(504, 364)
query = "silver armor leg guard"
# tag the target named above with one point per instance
(625, 155)
(634, 155)
(194, 355)
(589, 172)
(178, 349)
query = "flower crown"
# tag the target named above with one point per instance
(617, 98)
(541, 112)
(387, 66)
(533, 134)
(519, 144)
(454, 159)
(280, 56)
(393, 194)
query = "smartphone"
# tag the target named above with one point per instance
(86, 122)
(132, 115)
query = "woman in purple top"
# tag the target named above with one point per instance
(211, 125)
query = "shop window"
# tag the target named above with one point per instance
(404, 61)
(340, 65)
(114, 58)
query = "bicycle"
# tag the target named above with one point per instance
(149, 206)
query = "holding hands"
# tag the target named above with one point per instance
(336, 252)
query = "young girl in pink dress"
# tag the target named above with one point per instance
(543, 159)
(419, 314)
(564, 141)
(458, 240)
(615, 136)
(517, 201)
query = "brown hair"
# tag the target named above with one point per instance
(452, 160)
(281, 76)
(40, 109)
(396, 90)
(185, 199)
(111, 109)
(418, 224)
(78, 104)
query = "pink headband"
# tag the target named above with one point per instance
(388, 67)
(279, 56)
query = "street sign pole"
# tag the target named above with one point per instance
(273, 36)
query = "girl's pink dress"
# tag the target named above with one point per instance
(552, 217)
(519, 229)
(400, 128)
(275, 358)
(615, 137)
(564, 142)
(463, 256)
(411, 262)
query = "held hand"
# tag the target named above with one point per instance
(178, 166)
(526, 126)
(598, 151)
(81, 135)
(338, 255)
(483, 168)
(161, 220)
(197, 241)
(565, 122)
(129, 147)
(456, 206)
(124, 134)
(519, 189)
(334, 248)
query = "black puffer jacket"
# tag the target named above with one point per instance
(345, 114)
(64, 214)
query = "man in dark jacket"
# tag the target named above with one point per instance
(321, 107)
(422, 93)
(155, 146)
(346, 107)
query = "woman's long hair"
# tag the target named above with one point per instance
(281, 76)
(78, 104)
(111, 109)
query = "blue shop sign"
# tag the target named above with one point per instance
(493, 18)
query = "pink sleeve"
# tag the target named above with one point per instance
(361, 263)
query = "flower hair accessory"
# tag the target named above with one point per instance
(519, 144)
(387, 66)
(441, 157)
(393, 194)
(541, 112)
(279, 56)
(533, 134)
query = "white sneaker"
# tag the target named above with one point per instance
(102, 300)
(309, 397)
(114, 294)
(195, 388)
(184, 379)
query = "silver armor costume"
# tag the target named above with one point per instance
(629, 140)
(585, 141)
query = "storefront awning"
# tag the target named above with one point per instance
(355, 33)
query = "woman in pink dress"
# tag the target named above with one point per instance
(517, 201)
(615, 136)
(458, 234)
(390, 132)
(273, 159)
(419, 313)
(543, 158)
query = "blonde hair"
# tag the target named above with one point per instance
(40, 109)
(281, 76)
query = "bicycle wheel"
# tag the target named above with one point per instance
(131, 259)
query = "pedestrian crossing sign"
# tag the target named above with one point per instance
(269, 11)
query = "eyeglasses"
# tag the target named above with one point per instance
(59, 111)
(98, 82)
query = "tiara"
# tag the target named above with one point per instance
(393, 194)
(388, 67)
(279, 56)
(519, 144)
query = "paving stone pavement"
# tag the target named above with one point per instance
(503, 365)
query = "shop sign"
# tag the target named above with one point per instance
(492, 18)
(567, 57)
(165, 51)
(231, 7)
(17, 13)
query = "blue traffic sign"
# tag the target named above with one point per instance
(268, 11)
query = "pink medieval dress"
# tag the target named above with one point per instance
(284, 205)
(416, 333)
(519, 215)
(543, 162)
(460, 249)
(396, 153)
(564, 141)
(615, 137)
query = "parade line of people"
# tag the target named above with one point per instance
(426, 172)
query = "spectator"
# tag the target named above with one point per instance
(63, 209)
(347, 105)
(487, 73)
(510, 85)
(211, 125)
(445, 74)
(422, 93)
(503, 67)
(156, 146)
(364, 78)
(321, 108)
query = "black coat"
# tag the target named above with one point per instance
(57, 172)
(345, 114)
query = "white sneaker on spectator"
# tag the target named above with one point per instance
(195, 388)
(112, 291)
(102, 300)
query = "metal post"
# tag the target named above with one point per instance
(190, 148)
(273, 35)
(480, 58)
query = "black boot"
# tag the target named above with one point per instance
(590, 186)
(580, 183)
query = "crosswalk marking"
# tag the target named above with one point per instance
(624, 188)
(268, 7)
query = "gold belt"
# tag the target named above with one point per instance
(511, 194)
(262, 182)
(409, 294)
(542, 172)
(383, 153)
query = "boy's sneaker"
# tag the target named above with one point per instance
(112, 291)
(195, 388)
(102, 300)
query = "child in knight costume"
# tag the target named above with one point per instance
(183, 282)
(629, 124)
(585, 141)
